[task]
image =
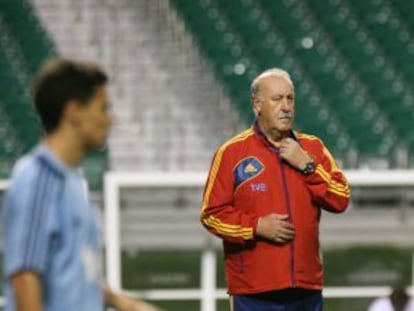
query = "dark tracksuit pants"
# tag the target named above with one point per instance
(293, 299)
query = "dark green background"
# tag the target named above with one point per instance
(356, 266)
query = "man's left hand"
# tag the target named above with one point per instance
(292, 152)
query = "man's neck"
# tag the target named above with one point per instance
(273, 135)
(66, 148)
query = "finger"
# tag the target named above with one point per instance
(284, 146)
(286, 225)
(286, 236)
(284, 152)
(280, 240)
(286, 239)
(283, 221)
(291, 141)
(285, 142)
(289, 148)
(281, 216)
(286, 232)
(283, 240)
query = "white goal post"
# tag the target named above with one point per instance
(208, 293)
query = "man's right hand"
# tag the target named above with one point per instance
(276, 228)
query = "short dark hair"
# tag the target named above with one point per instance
(60, 81)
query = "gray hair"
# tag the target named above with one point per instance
(277, 72)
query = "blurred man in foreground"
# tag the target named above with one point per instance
(52, 246)
(264, 196)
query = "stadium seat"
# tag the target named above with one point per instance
(24, 46)
(35, 44)
(352, 56)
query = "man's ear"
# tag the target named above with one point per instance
(257, 104)
(72, 111)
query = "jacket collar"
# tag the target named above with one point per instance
(45, 154)
(262, 137)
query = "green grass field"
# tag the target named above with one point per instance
(358, 266)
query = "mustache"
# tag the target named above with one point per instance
(285, 115)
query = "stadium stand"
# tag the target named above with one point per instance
(28, 32)
(354, 88)
(177, 109)
(22, 48)
(353, 81)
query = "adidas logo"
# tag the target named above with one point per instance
(250, 168)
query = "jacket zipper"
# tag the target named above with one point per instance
(292, 247)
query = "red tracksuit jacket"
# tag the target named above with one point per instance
(248, 179)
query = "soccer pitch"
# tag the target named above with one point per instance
(356, 266)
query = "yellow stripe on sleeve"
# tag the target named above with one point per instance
(333, 186)
(228, 230)
(334, 166)
(325, 150)
(325, 176)
(339, 193)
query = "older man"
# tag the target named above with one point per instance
(264, 196)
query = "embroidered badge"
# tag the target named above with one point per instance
(247, 169)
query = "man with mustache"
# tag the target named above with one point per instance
(263, 197)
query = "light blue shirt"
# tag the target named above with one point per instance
(50, 227)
